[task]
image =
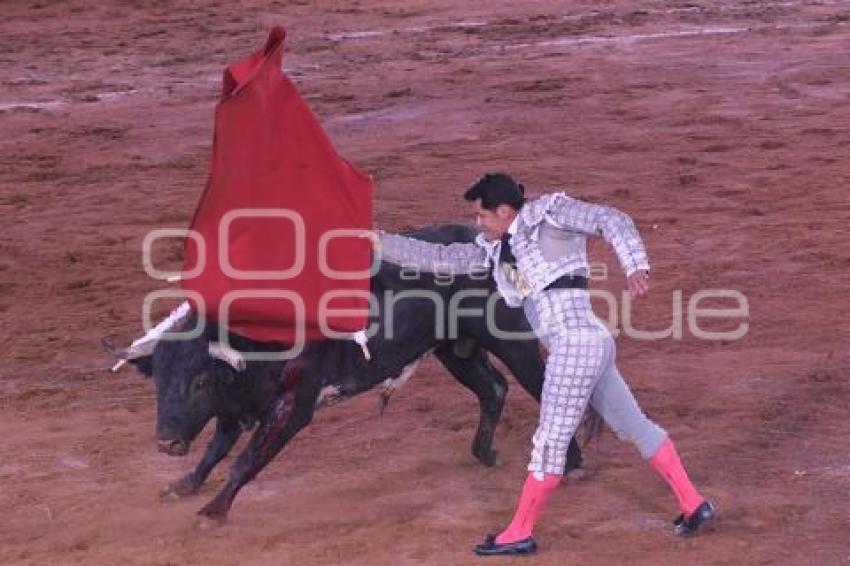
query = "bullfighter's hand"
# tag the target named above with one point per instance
(639, 283)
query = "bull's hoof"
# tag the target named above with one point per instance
(204, 523)
(486, 457)
(211, 515)
(577, 474)
(184, 487)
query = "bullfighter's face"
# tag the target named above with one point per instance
(493, 222)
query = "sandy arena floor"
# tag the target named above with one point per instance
(722, 127)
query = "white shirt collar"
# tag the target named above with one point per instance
(513, 227)
(490, 245)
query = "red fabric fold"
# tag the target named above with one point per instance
(271, 156)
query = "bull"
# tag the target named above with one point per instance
(200, 379)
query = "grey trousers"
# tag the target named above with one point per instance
(581, 369)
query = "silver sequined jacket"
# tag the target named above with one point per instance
(550, 241)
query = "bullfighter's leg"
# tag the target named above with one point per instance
(523, 358)
(287, 415)
(576, 362)
(227, 431)
(615, 402)
(477, 374)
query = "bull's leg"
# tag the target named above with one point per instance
(523, 358)
(227, 431)
(288, 414)
(473, 370)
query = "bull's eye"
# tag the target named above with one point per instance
(201, 382)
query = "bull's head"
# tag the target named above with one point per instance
(192, 377)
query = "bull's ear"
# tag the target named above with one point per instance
(144, 364)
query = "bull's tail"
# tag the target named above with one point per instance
(591, 427)
(383, 401)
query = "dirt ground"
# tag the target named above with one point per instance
(722, 127)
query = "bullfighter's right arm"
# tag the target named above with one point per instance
(457, 259)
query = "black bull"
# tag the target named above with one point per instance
(277, 399)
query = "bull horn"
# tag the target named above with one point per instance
(363, 340)
(228, 355)
(145, 345)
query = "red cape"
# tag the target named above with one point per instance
(271, 156)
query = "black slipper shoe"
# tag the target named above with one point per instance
(687, 527)
(491, 548)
